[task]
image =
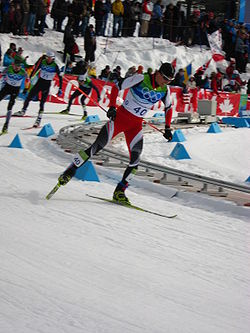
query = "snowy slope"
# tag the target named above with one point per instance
(73, 264)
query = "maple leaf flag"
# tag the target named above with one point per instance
(215, 42)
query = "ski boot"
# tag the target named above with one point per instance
(5, 129)
(19, 113)
(119, 194)
(65, 177)
(37, 123)
(66, 111)
(85, 114)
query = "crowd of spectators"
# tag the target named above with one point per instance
(153, 19)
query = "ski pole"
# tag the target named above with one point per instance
(98, 104)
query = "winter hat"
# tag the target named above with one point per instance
(50, 54)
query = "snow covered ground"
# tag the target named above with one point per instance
(74, 264)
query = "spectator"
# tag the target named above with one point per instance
(69, 41)
(92, 71)
(107, 10)
(241, 51)
(150, 71)
(32, 17)
(140, 69)
(86, 13)
(214, 83)
(5, 8)
(191, 83)
(131, 71)
(68, 68)
(135, 17)
(179, 22)
(105, 73)
(12, 49)
(118, 12)
(90, 44)
(99, 16)
(147, 11)
(59, 12)
(230, 69)
(26, 10)
(155, 28)
(126, 17)
(75, 10)
(7, 58)
(168, 22)
(115, 76)
(179, 79)
(41, 16)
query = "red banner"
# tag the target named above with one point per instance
(227, 103)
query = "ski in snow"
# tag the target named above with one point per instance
(31, 127)
(132, 207)
(14, 116)
(64, 114)
(53, 191)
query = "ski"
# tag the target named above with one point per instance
(132, 207)
(53, 191)
(28, 128)
(3, 133)
(25, 116)
(64, 114)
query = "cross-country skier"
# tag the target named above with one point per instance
(85, 85)
(47, 69)
(144, 91)
(14, 76)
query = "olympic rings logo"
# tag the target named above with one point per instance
(151, 95)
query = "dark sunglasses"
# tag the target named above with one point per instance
(166, 77)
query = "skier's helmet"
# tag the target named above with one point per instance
(167, 71)
(50, 54)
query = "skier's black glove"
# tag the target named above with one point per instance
(111, 114)
(168, 134)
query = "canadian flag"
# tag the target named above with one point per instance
(215, 42)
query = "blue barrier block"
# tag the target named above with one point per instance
(92, 119)
(16, 143)
(160, 118)
(214, 128)
(179, 152)
(87, 172)
(247, 180)
(159, 114)
(237, 122)
(46, 131)
(178, 136)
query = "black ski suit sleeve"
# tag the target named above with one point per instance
(58, 72)
(96, 89)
